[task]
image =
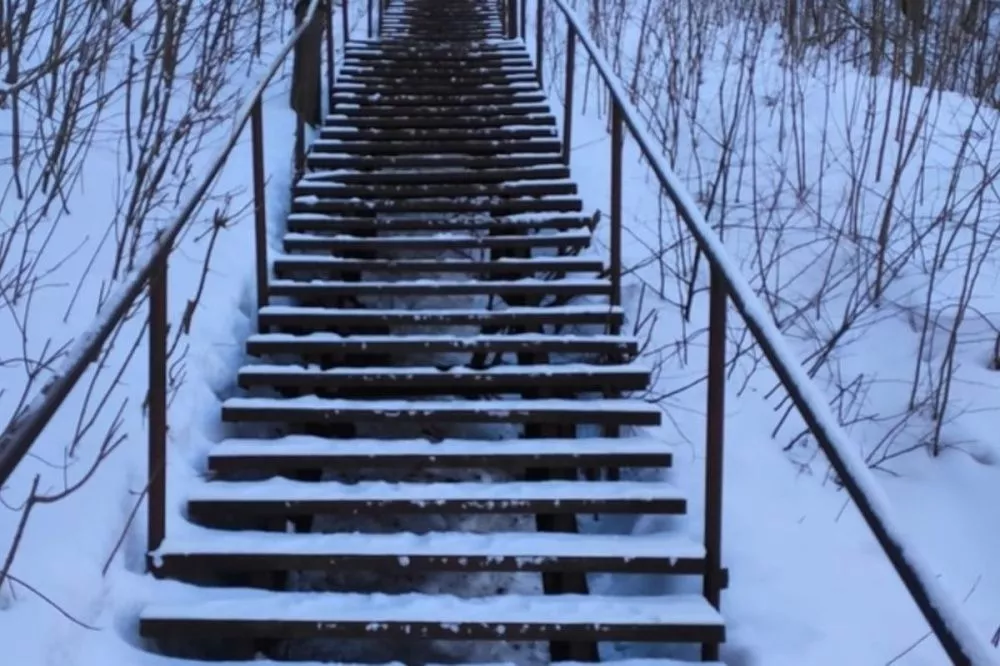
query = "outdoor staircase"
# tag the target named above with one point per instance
(433, 274)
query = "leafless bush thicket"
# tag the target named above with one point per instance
(822, 142)
(106, 109)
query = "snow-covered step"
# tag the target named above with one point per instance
(429, 51)
(569, 378)
(439, 206)
(323, 344)
(287, 266)
(466, 98)
(453, 121)
(484, 176)
(366, 162)
(441, 242)
(460, 187)
(485, 109)
(299, 452)
(316, 223)
(348, 86)
(257, 613)
(284, 497)
(312, 409)
(285, 316)
(474, 77)
(416, 146)
(323, 289)
(664, 553)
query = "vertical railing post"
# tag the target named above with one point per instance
(522, 15)
(511, 19)
(156, 495)
(568, 95)
(259, 202)
(714, 443)
(345, 23)
(539, 39)
(615, 242)
(298, 87)
(371, 26)
(330, 50)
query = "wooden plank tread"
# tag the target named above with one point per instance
(314, 317)
(569, 378)
(289, 263)
(520, 223)
(311, 409)
(498, 497)
(525, 546)
(437, 616)
(304, 446)
(532, 285)
(446, 341)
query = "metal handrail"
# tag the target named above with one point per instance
(24, 429)
(956, 634)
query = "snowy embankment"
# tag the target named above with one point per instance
(800, 169)
(108, 147)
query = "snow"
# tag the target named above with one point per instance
(329, 607)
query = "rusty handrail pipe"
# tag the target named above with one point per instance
(943, 614)
(20, 434)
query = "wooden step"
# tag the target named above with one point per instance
(285, 317)
(459, 99)
(430, 161)
(416, 88)
(404, 45)
(208, 550)
(450, 177)
(421, 55)
(506, 110)
(435, 76)
(299, 452)
(441, 123)
(317, 223)
(218, 613)
(324, 289)
(333, 268)
(456, 73)
(571, 378)
(366, 147)
(414, 66)
(535, 189)
(461, 134)
(294, 242)
(312, 409)
(495, 208)
(279, 496)
(324, 344)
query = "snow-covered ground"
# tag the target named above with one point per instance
(786, 160)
